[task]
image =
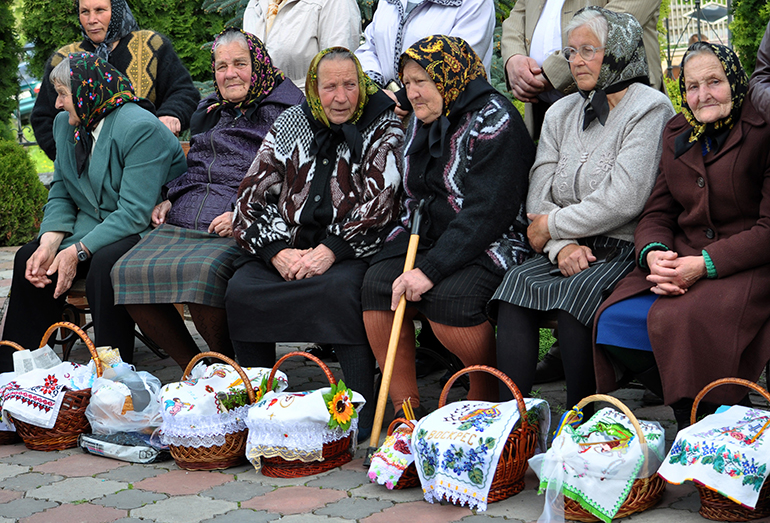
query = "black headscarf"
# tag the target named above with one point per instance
(625, 63)
(712, 135)
(122, 23)
(460, 78)
(264, 78)
(97, 90)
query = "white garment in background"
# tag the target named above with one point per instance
(547, 36)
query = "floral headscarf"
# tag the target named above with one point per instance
(460, 78)
(122, 23)
(264, 78)
(97, 90)
(714, 133)
(372, 102)
(625, 62)
(366, 88)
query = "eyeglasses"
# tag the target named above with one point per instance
(587, 52)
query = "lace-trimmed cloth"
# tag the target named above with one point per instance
(36, 396)
(293, 426)
(727, 452)
(392, 458)
(457, 447)
(193, 415)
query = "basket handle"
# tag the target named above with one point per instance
(233, 364)
(620, 405)
(494, 372)
(12, 344)
(329, 375)
(725, 381)
(395, 422)
(83, 336)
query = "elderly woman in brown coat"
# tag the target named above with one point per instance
(697, 306)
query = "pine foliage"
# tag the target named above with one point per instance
(750, 19)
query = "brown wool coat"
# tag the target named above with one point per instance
(720, 327)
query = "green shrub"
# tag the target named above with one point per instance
(22, 196)
(9, 60)
(750, 19)
(672, 86)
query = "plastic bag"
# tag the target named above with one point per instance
(130, 402)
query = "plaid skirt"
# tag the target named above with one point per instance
(530, 286)
(176, 265)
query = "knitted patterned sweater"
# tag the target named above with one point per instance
(348, 206)
(474, 194)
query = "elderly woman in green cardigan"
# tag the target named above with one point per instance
(113, 157)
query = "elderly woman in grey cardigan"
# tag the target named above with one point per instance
(596, 164)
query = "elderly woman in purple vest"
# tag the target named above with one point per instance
(189, 257)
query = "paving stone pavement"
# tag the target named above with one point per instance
(69, 486)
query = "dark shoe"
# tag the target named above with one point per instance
(650, 399)
(550, 368)
(324, 351)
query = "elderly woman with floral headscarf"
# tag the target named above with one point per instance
(468, 155)
(147, 58)
(596, 163)
(311, 212)
(697, 307)
(113, 157)
(189, 258)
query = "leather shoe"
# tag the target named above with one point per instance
(550, 368)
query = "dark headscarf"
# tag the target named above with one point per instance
(625, 63)
(264, 78)
(122, 23)
(372, 102)
(97, 90)
(460, 78)
(713, 134)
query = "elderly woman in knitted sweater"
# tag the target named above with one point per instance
(595, 167)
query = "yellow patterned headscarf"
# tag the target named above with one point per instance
(366, 87)
(450, 62)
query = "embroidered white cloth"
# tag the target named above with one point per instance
(392, 458)
(5, 379)
(36, 396)
(294, 426)
(725, 451)
(192, 412)
(457, 447)
(596, 464)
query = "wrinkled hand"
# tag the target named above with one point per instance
(537, 232)
(159, 213)
(284, 260)
(412, 284)
(673, 275)
(525, 78)
(222, 225)
(314, 262)
(574, 258)
(399, 112)
(173, 124)
(66, 264)
(38, 264)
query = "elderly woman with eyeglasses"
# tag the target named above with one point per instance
(595, 167)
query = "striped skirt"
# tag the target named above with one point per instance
(529, 285)
(176, 265)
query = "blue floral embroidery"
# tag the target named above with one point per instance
(459, 461)
(722, 460)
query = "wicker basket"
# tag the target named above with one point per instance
(714, 505)
(233, 451)
(334, 454)
(645, 492)
(409, 478)
(72, 420)
(8, 437)
(520, 446)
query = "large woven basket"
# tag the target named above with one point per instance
(645, 492)
(520, 446)
(8, 437)
(334, 454)
(72, 420)
(233, 451)
(714, 505)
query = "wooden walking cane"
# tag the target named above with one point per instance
(395, 334)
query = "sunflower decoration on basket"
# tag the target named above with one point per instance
(476, 452)
(393, 463)
(203, 415)
(726, 455)
(604, 468)
(48, 405)
(293, 434)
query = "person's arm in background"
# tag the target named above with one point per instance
(175, 93)
(759, 85)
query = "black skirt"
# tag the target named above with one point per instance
(263, 307)
(460, 300)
